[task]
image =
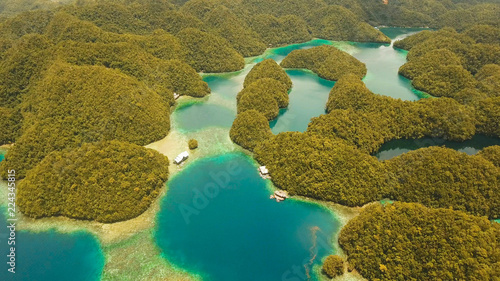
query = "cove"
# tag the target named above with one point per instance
(49, 256)
(307, 99)
(394, 148)
(383, 62)
(309, 93)
(197, 116)
(217, 221)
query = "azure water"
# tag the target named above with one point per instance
(49, 255)
(309, 94)
(217, 220)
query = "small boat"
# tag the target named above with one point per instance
(181, 157)
(176, 96)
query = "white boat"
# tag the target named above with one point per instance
(181, 157)
(176, 96)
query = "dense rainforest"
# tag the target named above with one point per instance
(265, 91)
(326, 61)
(67, 108)
(332, 161)
(102, 181)
(404, 241)
(83, 85)
(492, 154)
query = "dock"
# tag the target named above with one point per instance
(264, 172)
(279, 195)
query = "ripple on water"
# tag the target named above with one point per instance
(217, 220)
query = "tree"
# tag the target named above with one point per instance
(208, 52)
(333, 266)
(403, 241)
(193, 144)
(249, 129)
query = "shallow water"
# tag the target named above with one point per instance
(196, 116)
(217, 220)
(397, 147)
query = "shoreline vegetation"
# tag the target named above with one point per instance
(56, 62)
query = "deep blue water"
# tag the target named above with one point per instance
(217, 220)
(50, 256)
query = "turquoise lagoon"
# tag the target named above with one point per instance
(222, 225)
(309, 94)
(49, 255)
(217, 220)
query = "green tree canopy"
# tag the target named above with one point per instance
(340, 24)
(492, 154)
(72, 105)
(105, 181)
(431, 61)
(280, 31)
(208, 52)
(333, 266)
(404, 241)
(327, 169)
(270, 86)
(327, 61)
(445, 81)
(267, 69)
(454, 180)
(249, 129)
(263, 102)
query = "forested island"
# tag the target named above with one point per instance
(85, 84)
(328, 62)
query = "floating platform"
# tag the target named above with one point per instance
(279, 195)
